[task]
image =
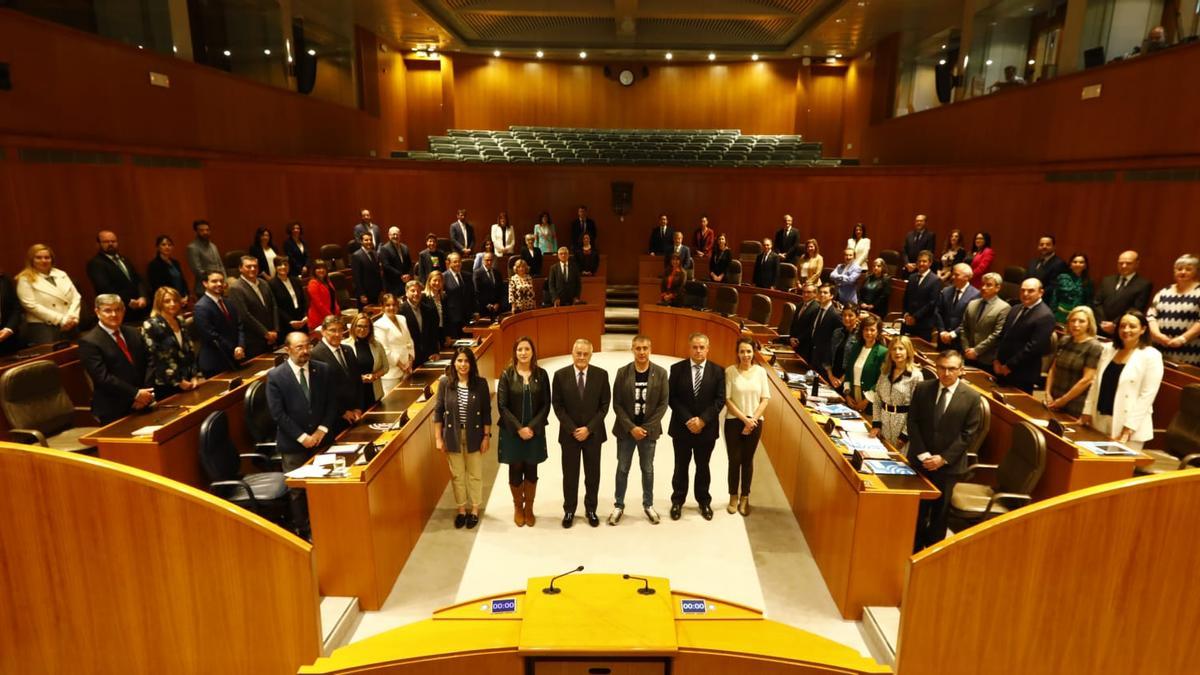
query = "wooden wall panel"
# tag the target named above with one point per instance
(423, 84)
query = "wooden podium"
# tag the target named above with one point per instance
(596, 621)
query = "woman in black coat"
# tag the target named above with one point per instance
(164, 270)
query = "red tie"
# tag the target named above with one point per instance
(224, 310)
(121, 343)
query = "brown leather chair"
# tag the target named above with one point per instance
(784, 327)
(733, 275)
(725, 301)
(787, 277)
(1014, 274)
(233, 261)
(1180, 441)
(752, 247)
(760, 309)
(891, 258)
(37, 406)
(334, 255)
(1016, 477)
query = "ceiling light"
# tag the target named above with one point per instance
(839, 21)
(540, 53)
(668, 56)
(583, 55)
(830, 60)
(712, 56)
(988, 62)
(943, 46)
(496, 53)
(1031, 62)
(267, 52)
(839, 55)
(754, 57)
(312, 52)
(433, 48)
(941, 62)
(174, 49)
(966, 60)
(140, 47)
(227, 53)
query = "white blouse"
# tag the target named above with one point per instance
(862, 251)
(504, 238)
(746, 389)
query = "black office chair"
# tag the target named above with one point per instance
(760, 309)
(1180, 441)
(259, 421)
(726, 301)
(1014, 274)
(733, 275)
(694, 295)
(334, 255)
(263, 493)
(233, 261)
(1016, 477)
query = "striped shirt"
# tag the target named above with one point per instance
(464, 395)
(1176, 312)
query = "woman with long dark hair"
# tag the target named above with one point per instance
(523, 399)
(462, 425)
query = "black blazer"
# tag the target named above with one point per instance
(915, 242)
(169, 362)
(289, 311)
(430, 261)
(566, 289)
(115, 380)
(1110, 303)
(821, 347)
(533, 258)
(920, 301)
(1022, 345)
(510, 404)
(660, 242)
(296, 414)
(458, 302)
(368, 275)
(578, 229)
(785, 240)
(158, 274)
(589, 263)
(1047, 272)
(462, 236)
(346, 382)
(766, 269)
(218, 335)
(10, 315)
(574, 411)
(719, 262)
(427, 336)
(950, 435)
(489, 291)
(108, 278)
(396, 263)
(297, 258)
(685, 404)
(479, 412)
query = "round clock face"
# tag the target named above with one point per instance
(625, 77)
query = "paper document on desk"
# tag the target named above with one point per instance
(886, 467)
(1040, 422)
(854, 426)
(146, 430)
(308, 471)
(324, 460)
(344, 449)
(1108, 448)
(839, 411)
(871, 448)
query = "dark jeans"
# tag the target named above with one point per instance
(645, 450)
(741, 455)
(519, 472)
(685, 450)
(931, 514)
(572, 453)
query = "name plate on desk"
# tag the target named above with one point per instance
(692, 607)
(501, 606)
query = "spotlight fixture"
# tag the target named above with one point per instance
(312, 52)
(540, 53)
(496, 53)
(583, 55)
(227, 53)
(668, 56)
(830, 60)
(838, 55)
(754, 57)
(267, 52)
(988, 62)
(941, 62)
(712, 56)
(943, 46)
(1031, 62)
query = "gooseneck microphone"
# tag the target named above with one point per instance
(551, 590)
(644, 590)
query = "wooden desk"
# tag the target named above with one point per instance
(553, 329)
(860, 530)
(69, 366)
(365, 526)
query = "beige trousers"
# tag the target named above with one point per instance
(466, 474)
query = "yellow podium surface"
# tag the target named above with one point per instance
(596, 620)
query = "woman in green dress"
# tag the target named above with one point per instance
(1074, 288)
(523, 398)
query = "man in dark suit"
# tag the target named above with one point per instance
(813, 339)
(661, 237)
(943, 419)
(422, 323)
(256, 306)
(365, 226)
(462, 234)
(563, 285)
(367, 272)
(114, 357)
(918, 239)
(396, 262)
(679, 249)
(532, 255)
(920, 298)
(787, 236)
(580, 226)
(430, 259)
(1025, 338)
(300, 398)
(982, 323)
(490, 296)
(580, 396)
(291, 302)
(219, 328)
(1047, 266)
(112, 272)
(10, 316)
(697, 397)
(951, 304)
(1118, 293)
(344, 378)
(458, 303)
(766, 266)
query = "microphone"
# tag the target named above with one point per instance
(644, 590)
(551, 590)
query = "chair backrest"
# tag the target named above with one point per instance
(32, 397)
(258, 415)
(760, 308)
(726, 301)
(1023, 464)
(1010, 291)
(1014, 274)
(218, 457)
(787, 276)
(445, 245)
(891, 258)
(985, 425)
(1182, 436)
(233, 259)
(334, 255)
(733, 273)
(694, 294)
(751, 247)
(785, 318)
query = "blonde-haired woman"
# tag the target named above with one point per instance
(1074, 366)
(371, 358)
(172, 366)
(50, 299)
(894, 390)
(391, 329)
(434, 296)
(811, 264)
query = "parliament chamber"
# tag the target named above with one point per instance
(260, 260)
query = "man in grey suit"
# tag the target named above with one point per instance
(256, 305)
(982, 323)
(640, 400)
(943, 419)
(563, 284)
(1121, 292)
(202, 255)
(580, 396)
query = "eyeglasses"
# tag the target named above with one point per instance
(949, 369)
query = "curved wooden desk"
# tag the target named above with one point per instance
(860, 529)
(553, 329)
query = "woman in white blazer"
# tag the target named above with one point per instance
(391, 330)
(1120, 402)
(50, 300)
(861, 245)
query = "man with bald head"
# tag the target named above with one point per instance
(113, 273)
(1025, 338)
(918, 239)
(580, 396)
(1118, 293)
(952, 302)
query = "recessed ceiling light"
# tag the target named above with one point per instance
(540, 53)
(267, 52)
(754, 57)
(140, 47)
(312, 52)
(941, 62)
(988, 62)
(943, 46)
(839, 21)
(583, 55)
(830, 60)
(712, 56)
(227, 53)
(668, 56)
(496, 53)
(839, 55)
(174, 49)
(1031, 62)
(433, 48)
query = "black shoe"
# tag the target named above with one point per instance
(706, 511)
(593, 519)
(460, 520)
(473, 520)
(568, 519)
(676, 511)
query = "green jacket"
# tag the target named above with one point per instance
(871, 368)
